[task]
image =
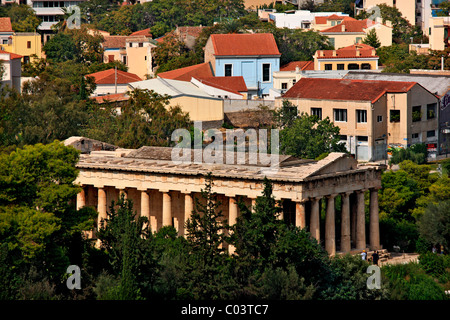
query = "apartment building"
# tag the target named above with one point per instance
(372, 115)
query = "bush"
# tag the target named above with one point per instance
(433, 264)
(417, 153)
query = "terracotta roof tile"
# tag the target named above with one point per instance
(246, 44)
(5, 25)
(303, 65)
(114, 42)
(324, 19)
(344, 89)
(12, 55)
(202, 70)
(365, 51)
(350, 26)
(145, 32)
(107, 77)
(112, 98)
(232, 84)
(191, 31)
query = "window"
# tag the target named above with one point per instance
(317, 112)
(379, 118)
(394, 115)
(28, 44)
(4, 41)
(415, 136)
(340, 115)
(294, 81)
(362, 138)
(266, 72)
(431, 111)
(341, 66)
(130, 45)
(124, 60)
(353, 66)
(228, 70)
(366, 66)
(328, 66)
(343, 137)
(284, 86)
(416, 113)
(140, 45)
(332, 42)
(361, 116)
(358, 39)
(431, 134)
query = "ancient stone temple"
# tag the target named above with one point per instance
(164, 191)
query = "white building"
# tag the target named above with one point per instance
(299, 19)
(11, 65)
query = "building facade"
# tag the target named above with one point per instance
(252, 56)
(165, 192)
(372, 115)
(355, 57)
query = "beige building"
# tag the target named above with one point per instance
(438, 33)
(134, 51)
(191, 99)
(372, 115)
(354, 57)
(347, 32)
(165, 192)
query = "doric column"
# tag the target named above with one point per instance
(300, 214)
(374, 220)
(145, 206)
(81, 199)
(188, 208)
(101, 205)
(360, 221)
(279, 204)
(314, 224)
(232, 211)
(166, 209)
(330, 241)
(253, 204)
(353, 213)
(345, 223)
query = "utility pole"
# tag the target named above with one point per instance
(115, 79)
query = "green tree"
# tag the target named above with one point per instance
(434, 225)
(126, 239)
(61, 48)
(145, 120)
(309, 137)
(206, 235)
(372, 39)
(23, 18)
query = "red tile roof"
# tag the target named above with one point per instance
(117, 97)
(5, 25)
(351, 26)
(303, 65)
(345, 89)
(231, 84)
(107, 77)
(246, 44)
(145, 32)
(365, 51)
(12, 55)
(114, 42)
(191, 31)
(324, 19)
(202, 70)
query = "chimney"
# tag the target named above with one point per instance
(297, 69)
(343, 27)
(321, 54)
(358, 53)
(334, 53)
